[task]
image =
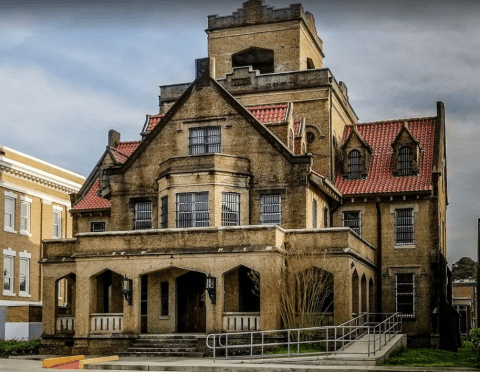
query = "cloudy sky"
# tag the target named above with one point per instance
(72, 70)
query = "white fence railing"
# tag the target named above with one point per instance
(234, 322)
(372, 331)
(65, 324)
(106, 323)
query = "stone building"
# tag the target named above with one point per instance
(465, 301)
(261, 155)
(34, 196)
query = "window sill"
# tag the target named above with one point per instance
(164, 317)
(9, 294)
(26, 233)
(9, 230)
(406, 246)
(24, 294)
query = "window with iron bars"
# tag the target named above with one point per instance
(192, 210)
(98, 226)
(354, 165)
(204, 140)
(230, 209)
(405, 161)
(405, 294)
(352, 219)
(271, 209)
(314, 213)
(164, 212)
(143, 215)
(325, 217)
(404, 227)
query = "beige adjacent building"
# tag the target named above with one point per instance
(35, 203)
(262, 155)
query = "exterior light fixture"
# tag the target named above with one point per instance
(211, 286)
(127, 289)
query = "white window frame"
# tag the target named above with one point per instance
(25, 218)
(25, 258)
(9, 216)
(57, 211)
(10, 254)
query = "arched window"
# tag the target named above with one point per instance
(354, 164)
(405, 161)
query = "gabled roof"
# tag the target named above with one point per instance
(270, 113)
(354, 132)
(380, 179)
(123, 150)
(92, 200)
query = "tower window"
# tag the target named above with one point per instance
(259, 58)
(204, 140)
(405, 161)
(230, 209)
(354, 164)
(192, 210)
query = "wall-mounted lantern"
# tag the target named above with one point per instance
(127, 289)
(211, 286)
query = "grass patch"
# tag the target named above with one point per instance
(16, 347)
(465, 357)
(304, 348)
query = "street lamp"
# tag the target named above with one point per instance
(211, 286)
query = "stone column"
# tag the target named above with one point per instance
(131, 313)
(49, 305)
(84, 305)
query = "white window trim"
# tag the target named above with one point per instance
(25, 256)
(9, 253)
(9, 196)
(28, 201)
(57, 210)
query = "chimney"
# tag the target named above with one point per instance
(113, 138)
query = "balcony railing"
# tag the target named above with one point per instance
(106, 323)
(65, 324)
(234, 322)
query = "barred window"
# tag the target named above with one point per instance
(354, 164)
(164, 211)
(98, 226)
(404, 226)
(204, 140)
(405, 294)
(192, 210)
(230, 209)
(271, 209)
(352, 219)
(325, 217)
(314, 213)
(405, 161)
(143, 215)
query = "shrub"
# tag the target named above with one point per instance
(19, 347)
(474, 336)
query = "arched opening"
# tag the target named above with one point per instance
(242, 299)
(65, 295)
(355, 297)
(259, 58)
(191, 296)
(371, 296)
(354, 164)
(405, 161)
(364, 294)
(314, 298)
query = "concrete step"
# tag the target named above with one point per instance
(161, 349)
(166, 337)
(163, 344)
(161, 354)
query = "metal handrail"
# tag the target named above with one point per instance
(343, 335)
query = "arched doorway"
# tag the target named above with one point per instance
(364, 294)
(191, 312)
(65, 295)
(355, 297)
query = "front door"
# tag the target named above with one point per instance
(191, 302)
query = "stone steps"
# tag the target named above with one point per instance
(163, 346)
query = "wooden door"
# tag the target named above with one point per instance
(191, 296)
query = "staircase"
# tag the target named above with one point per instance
(165, 345)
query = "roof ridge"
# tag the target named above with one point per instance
(136, 141)
(392, 121)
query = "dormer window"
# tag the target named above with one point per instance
(405, 161)
(354, 165)
(204, 140)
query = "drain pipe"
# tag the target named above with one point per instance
(379, 257)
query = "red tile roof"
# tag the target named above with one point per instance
(380, 178)
(154, 120)
(123, 150)
(91, 200)
(270, 113)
